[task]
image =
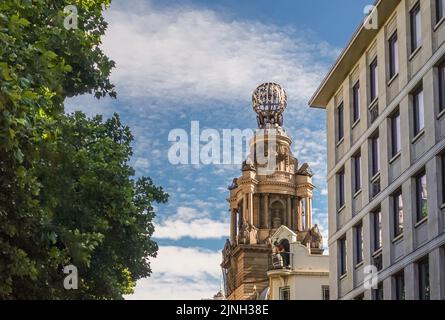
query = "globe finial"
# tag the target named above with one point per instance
(269, 101)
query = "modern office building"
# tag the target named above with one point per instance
(385, 105)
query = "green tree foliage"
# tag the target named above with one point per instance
(101, 219)
(66, 195)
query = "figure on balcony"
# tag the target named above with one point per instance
(282, 249)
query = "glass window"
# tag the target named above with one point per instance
(356, 102)
(357, 173)
(443, 178)
(416, 28)
(398, 214)
(419, 112)
(340, 123)
(373, 80)
(375, 148)
(424, 280)
(421, 197)
(442, 86)
(325, 292)
(377, 226)
(285, 293)
(440, 10)
(393, 56)
(399, 281)
(396, 143)
(343, 257)
(359, 243)
(378, 293)
(341, 189)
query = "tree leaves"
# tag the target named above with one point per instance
(66, 189)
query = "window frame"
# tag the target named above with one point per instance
(399, 284)
(356, 102)
(396, 137)
(375, 155)
(441, 82)
(343, 266)
(358, 179)
(377, 230)
(373, 80)
(341, 188)
(415, 27)
(418, 111)
(440, 10)
(282, 291)
(378, 294)
(398, 213)
(393, 42)
(419, 196)
(340, 122)
(424, 280)
(359, 257)
(325, 293)
(442, 165)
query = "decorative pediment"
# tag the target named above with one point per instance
(284, 232)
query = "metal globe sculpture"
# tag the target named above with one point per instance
(269, 101)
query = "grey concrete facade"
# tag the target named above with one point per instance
(422, 239)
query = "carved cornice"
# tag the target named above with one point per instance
(251, 247)
(244, 181)
(306, 186)
(278, 183)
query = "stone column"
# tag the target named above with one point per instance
(250, 198)
(289, 213)
(266, 212)
(233, 226)
(308, 213)
(245, 212)
(300, 215)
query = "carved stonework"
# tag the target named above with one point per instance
(263, 201)
(234, 185)
(305, 170)
(269, 101)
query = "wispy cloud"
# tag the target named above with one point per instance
(191, 223)
(181, 63)
(191, 55)
(181, 273)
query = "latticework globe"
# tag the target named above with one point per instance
(269, 101)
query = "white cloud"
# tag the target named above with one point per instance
(192, 223)
(175, 58)
(191, 55)
(181, 273)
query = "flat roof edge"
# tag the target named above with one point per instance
(361, 37)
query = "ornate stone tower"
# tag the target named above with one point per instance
(266, 196)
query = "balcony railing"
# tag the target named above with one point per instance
(281, 261)
(373, 113)
(375, 188)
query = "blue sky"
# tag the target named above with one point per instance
(200, 60)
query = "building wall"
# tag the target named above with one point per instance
(425, 239)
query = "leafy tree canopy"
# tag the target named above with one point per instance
(66, 192)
